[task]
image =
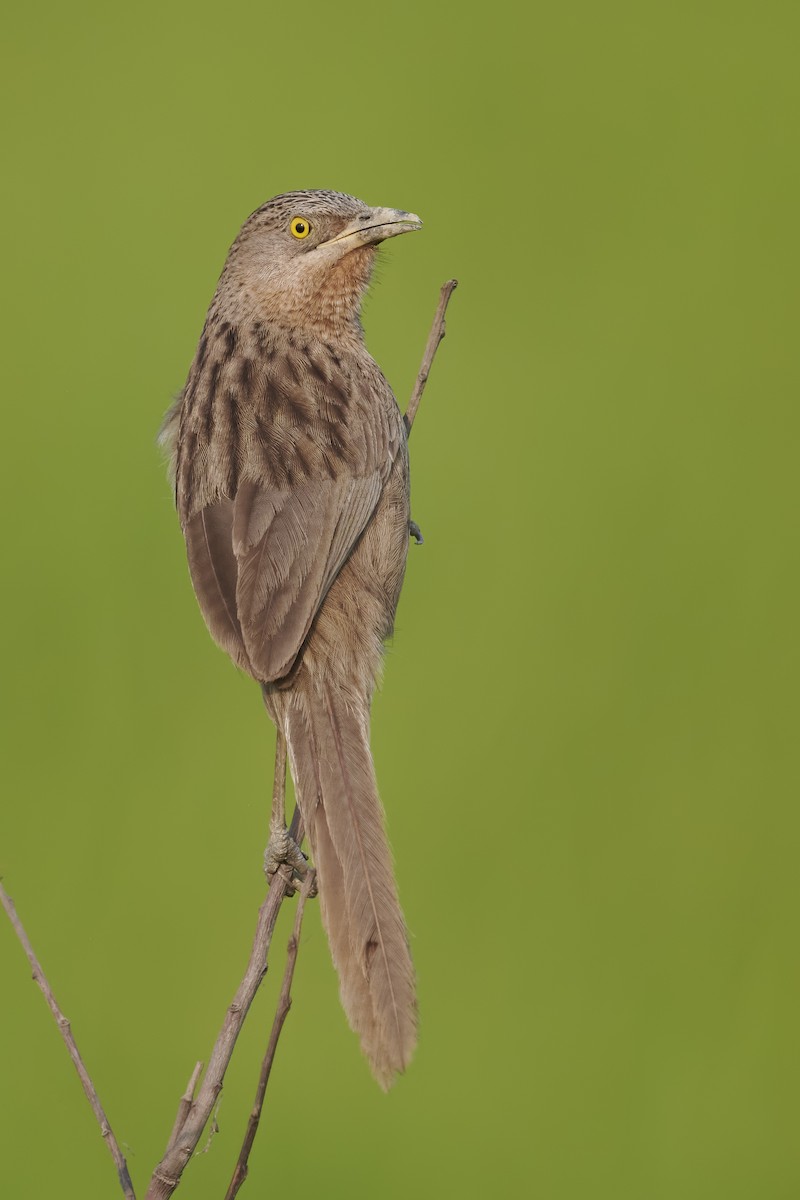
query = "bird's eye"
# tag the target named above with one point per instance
(300, 227)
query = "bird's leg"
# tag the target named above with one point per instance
(415, 532)
(281, 848)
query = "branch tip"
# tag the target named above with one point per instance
(434, 338)
(65, 1029)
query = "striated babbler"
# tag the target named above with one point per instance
(290, 464)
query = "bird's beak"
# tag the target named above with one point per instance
(375, 226)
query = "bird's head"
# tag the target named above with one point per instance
(304, 259)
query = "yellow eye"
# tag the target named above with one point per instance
(300, 227)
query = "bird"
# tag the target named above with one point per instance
(289, 460)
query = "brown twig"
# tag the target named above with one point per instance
(434, 338)
(167, 1174)
(65, 1030)
(185, 1106)
(282, 1011)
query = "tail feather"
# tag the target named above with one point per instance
(354, 988)
(335, 782)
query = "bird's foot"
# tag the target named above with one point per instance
(281, 848)
(415, 532)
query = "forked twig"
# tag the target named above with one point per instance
(434, 338)
(65, 1030)
(167, 1174)
(281, 1013)
(185, 1106)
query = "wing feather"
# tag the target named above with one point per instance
(214, 571)
(290, 547)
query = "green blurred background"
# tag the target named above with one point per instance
(587, 738)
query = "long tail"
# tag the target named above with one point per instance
(335, 783)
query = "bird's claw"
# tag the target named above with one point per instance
(415, 532)
(283, 849)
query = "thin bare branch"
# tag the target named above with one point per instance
(281, 1013)
(434, 338)
(167, 1174)
(65, 1030)
(185, 1106)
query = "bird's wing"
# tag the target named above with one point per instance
(290, 546)
(214, 571)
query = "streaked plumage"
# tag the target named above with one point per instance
(290, 464)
